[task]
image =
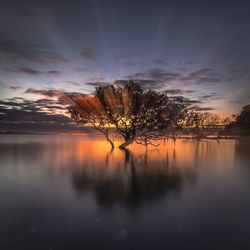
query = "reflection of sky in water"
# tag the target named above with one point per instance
(70, 192)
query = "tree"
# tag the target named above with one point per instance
(137, 115)
(201, 121)
(241, 124)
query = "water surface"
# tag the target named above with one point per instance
(71, 192)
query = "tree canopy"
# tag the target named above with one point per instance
(137, 115)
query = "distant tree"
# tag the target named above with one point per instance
(201, 121)
(192, 119)
(137, 115)
(241, 124)
(209, 120)
(228, 120)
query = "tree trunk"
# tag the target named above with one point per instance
(126, 143)
(108, 139)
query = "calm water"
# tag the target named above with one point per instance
(71, 192)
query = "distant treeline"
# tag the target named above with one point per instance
(240, 124)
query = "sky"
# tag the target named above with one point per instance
(196, 49)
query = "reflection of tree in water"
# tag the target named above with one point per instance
(116, 177)
(133, 182)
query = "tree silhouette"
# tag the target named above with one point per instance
(241, 124)
(137, 115)
(201, 121)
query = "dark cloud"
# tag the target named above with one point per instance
(145, 84)
(50, 92)
(190, 91)
(121, 82)
(15, 87)
(42, 115)
(88, 53)
(21, 115)
(208, 96)
(41, 105)
(205, 76)
(158, 78)
(178, 91)
(29, 71)
(35, 72)
(102, 83)
(207, 80)
(187, 101)
(54, 72)
(159, 62)
(154, 78)
(30, 52)
(81, 69)
(174, 91)
(96, 84)
(202, 109)
(156, 75)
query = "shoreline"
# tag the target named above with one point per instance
(211, 137)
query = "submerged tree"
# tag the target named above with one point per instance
(137, 115)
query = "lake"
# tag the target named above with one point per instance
(71, 192)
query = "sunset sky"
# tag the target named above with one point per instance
(196, 49)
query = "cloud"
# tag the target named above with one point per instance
(88, 53)
(35, 72)
(157, 78)
(96, 84)
(154, 78)
(50, 92)
(45, 105)
(96, 79)
(145, 84)
(47, 93)
(53, 72)
(205, 76)
(22, 115)
(81, 69)
(188, 101)
(202, 109)
(44, 114)
(74, 83)
(29, 71)
(208, 96)
(159, 62)
(157, 75)
(174, 91)
(15, 87)
(30, 52)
